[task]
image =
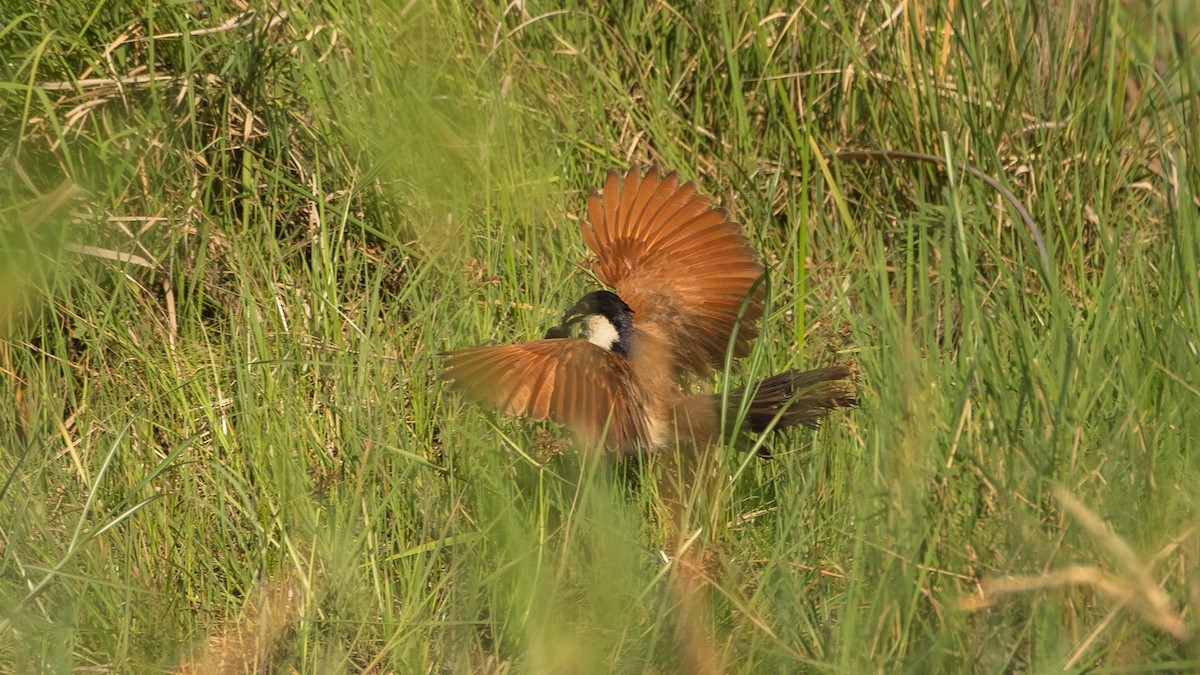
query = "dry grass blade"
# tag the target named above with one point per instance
(109, 254)
(1136, 589)
(94, 82)
(1074, 575)
(1150, 600)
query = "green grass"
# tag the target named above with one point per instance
(252, 426)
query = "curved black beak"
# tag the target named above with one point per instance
(563, 329)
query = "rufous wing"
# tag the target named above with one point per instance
(571, 381)
(680, 263)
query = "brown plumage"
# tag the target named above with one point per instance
(686, 285)
(682, 266)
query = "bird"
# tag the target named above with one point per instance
(620, 367)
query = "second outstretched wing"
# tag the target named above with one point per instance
(680, 263)
(571, 381)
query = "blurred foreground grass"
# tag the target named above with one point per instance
(233, 240)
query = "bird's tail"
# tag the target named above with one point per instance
(794, 397)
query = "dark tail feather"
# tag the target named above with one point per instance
(795, 397)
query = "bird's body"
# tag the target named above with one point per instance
(685, 287)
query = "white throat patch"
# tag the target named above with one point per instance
(601, 332)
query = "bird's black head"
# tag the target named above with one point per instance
(605, 319)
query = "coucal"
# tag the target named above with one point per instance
(685, 286)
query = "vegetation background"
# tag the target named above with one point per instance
(234, 237)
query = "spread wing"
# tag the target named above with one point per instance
(571, 381)
(680, 263)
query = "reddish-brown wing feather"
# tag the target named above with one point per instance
(682, 266)
(571, 381)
